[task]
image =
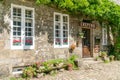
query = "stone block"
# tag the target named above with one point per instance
(4, 70)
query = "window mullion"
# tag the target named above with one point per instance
(12, 26)
(61, 30)
(23, 26)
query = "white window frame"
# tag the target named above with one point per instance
(104, 36)
(61, 27)
(23, 8)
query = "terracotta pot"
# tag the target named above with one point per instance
(73, 46)
(70, 67)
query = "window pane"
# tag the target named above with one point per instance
(16, 41)
(17, 21)
(57, 35)
(29, 29)
(14, 28)
(28, 22)
(65, 33)
(65, 26)
(28, 13)
(57, 41)
(57, 26)
(14, 33)
(57, 31)
(16, 11)
(14, 23)
(28, 41)
(65, 19)
(65, 41)
(28, 32)
(57, 17)
(18, 33)
(18, 28)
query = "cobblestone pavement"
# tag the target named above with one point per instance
(90, 71)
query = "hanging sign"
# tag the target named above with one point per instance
(87, 25)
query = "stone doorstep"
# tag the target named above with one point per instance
(90, 61)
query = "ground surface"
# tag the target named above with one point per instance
(90, 71)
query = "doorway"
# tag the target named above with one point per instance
(86, 43)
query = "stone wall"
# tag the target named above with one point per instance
(97, 34)
(44, 48)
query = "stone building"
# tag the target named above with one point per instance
(30, 33)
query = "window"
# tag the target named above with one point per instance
(61, 30)
(104, 36)
(22, 27)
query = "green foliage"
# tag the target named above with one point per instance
(101, 10)
(72, 60)
(111, 57)
(103, 53)
(106, 61)
(29, 72)
(43, 1)
(48, 67)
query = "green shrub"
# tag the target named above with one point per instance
(111, 57)
(117, 56)
(29, 72)
(103, 53)
(72, 60)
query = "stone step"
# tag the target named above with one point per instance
(90, 60)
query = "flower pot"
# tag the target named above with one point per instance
(111, 58)
(69, 67)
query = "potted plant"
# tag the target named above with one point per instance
(103, 54)
(69, 66)
(72, 47)
(97, 58)
(111, 57)
(81, 35)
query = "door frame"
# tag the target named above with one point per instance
(91, 42)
